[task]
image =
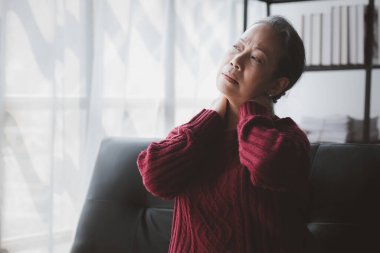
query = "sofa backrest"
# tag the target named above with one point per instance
(119, 215)
(345, 196)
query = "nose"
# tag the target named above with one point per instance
(236, 62)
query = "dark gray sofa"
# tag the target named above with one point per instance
(120, 216)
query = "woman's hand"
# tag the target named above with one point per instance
(220, 105)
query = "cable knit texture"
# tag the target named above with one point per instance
(241, 190)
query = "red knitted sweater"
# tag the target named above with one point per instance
(242, 190)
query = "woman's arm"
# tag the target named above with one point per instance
(168, 167)
(277, 157)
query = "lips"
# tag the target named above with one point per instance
(230, 79)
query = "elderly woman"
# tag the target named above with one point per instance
(237, 172)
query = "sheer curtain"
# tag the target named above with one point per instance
(75, 71)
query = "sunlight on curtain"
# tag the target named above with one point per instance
(73, 72)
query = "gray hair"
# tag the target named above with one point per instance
(291, 62)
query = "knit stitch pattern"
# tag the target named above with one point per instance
(240, 190)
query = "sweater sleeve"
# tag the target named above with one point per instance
(168, 167)
(277, 157)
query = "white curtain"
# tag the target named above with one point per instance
(75, 71)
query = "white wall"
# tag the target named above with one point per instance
(322, 94)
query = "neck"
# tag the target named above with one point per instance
(232, 114)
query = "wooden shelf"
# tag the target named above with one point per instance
(285, 1)
(338, 67)
(334, 67)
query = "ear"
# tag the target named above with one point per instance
(279, 86)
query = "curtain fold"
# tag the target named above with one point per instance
(73, 72)
(2, 170)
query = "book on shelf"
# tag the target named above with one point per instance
(352, 35)
(326, 38)
(316, 39)
(333, 128)
(343, 35)
(335, 35)
(337, 128)
(356, 129)
(306, 27)
(360, 30)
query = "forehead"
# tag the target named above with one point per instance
(262, 36)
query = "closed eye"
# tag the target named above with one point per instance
(236, 47)
(256, 59)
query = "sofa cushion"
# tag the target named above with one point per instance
(119, 215)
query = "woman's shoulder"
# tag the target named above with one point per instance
(285, 122)
(290, 127)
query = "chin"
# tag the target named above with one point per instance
(225, 89)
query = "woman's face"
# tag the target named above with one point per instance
(247, 69)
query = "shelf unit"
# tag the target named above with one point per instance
(367, 66)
